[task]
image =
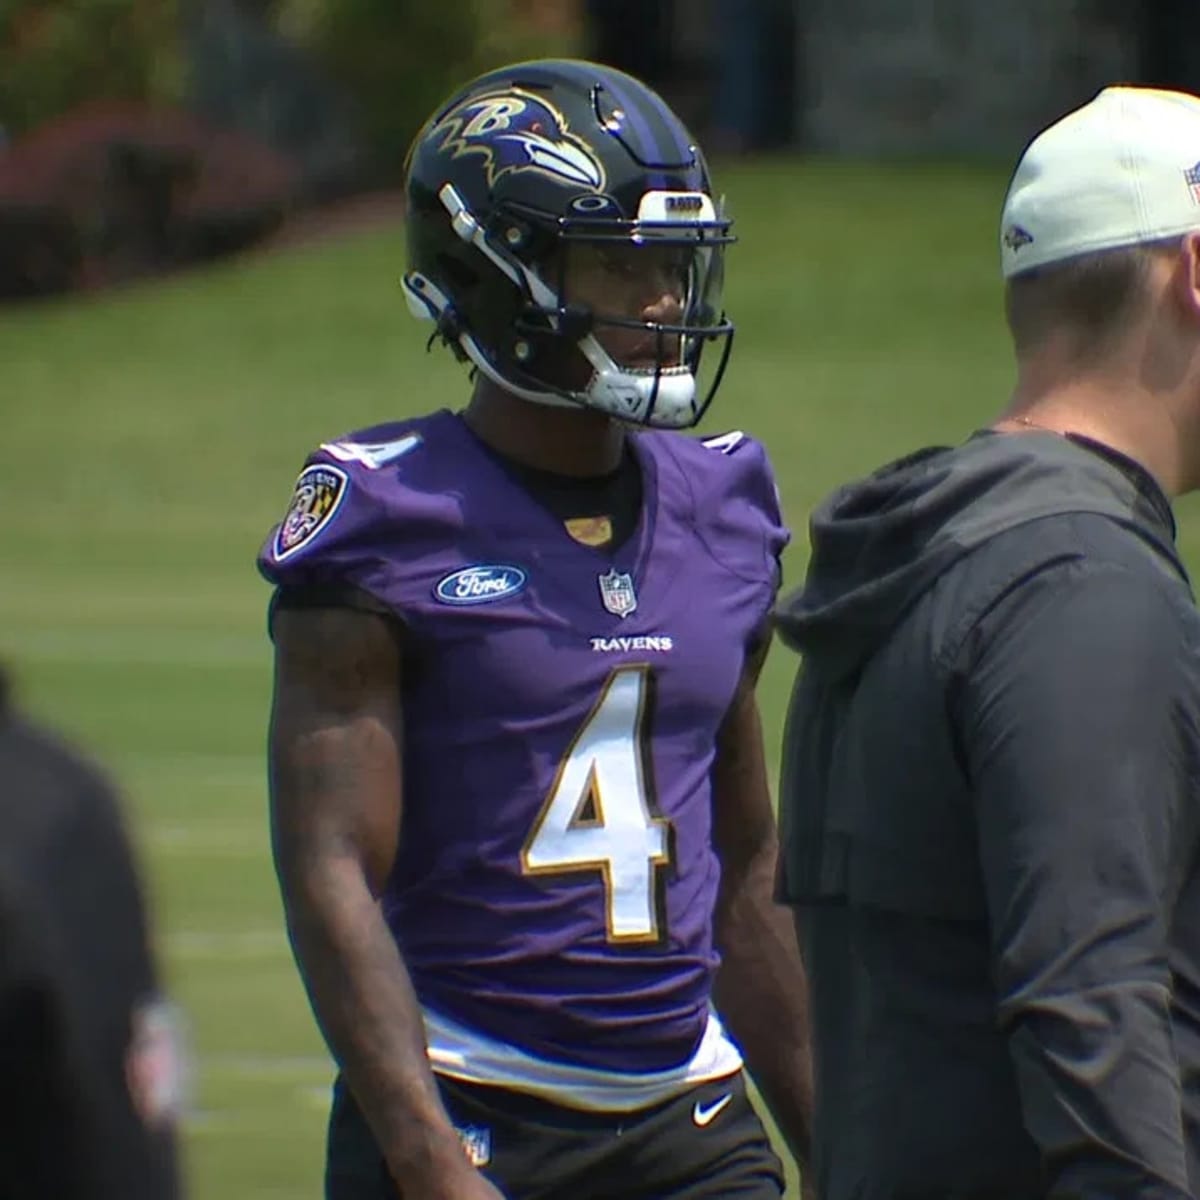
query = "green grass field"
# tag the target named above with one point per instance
(151, 438)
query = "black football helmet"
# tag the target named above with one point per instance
(514, 173)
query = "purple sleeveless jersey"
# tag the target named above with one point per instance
(555, 882)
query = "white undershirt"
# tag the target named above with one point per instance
(462, 1053)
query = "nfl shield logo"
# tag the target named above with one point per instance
(616, 590)
(477, 1144)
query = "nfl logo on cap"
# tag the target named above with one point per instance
(1192, 175)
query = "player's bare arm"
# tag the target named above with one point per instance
(336, 797)
(760, 990)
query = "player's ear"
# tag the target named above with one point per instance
(1188, 276)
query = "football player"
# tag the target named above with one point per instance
(520, 813)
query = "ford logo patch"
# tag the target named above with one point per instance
(480, 585)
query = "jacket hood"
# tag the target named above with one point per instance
(879, 544)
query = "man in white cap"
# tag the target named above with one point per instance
(991, 778)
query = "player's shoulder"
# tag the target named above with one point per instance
(727, 454)
(365, 453)
(722, 464)
(353, 488)
(726, 485)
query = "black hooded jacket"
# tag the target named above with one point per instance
(990, 824)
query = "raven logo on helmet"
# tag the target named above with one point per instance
(516, 131)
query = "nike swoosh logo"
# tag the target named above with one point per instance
(706, 1114)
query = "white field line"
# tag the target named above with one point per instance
(306, 1069)
(305, 1079)
(223, 841)
(149, 770)
(245, 944)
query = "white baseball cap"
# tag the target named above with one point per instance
(1122, 170)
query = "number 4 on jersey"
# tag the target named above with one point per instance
(599, 815)
(372, 455)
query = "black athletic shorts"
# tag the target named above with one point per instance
(706, 1143)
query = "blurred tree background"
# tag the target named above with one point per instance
(146, 135)
(140, 136)
(281, 68)
(56, 56)
(396, 59)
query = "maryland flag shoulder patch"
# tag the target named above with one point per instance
(318, 495)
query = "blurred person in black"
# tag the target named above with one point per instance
(89, 1066)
